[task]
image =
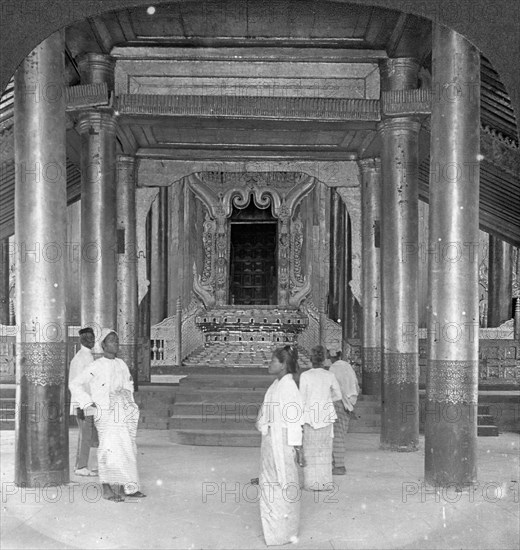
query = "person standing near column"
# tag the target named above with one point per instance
(110, 392)
(280, 423)
(319, 389)
(87, 437)
(349, 385)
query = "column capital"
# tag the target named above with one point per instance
(369, 164)
(96, 67)
(399, 125)
(88, 62)
(126, 159)
(399, 73)
(96, 121)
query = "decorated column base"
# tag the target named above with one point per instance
(400, 402)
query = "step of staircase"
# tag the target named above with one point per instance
(224, 438)
(7, 406)
(486, 423)
(487, 431)
(485, 420)
(214, 408)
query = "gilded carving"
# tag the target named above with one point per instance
(298, 294)
(500, 152)
(516, 273)
(43, 364)
(205, 292)
(283, 256)
(454, 382)
(221, 262)
(296, 251)
(208, 243)
(219, 191)
(371, 359)
(227, 181)
(401, 368)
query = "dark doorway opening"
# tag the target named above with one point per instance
(252, 271)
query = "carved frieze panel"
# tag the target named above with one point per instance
(502, 153)
(406, 102)
(86, 96)
(43, 363)
(284, 108)
(220, 191)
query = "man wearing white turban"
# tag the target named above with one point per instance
(110, 394)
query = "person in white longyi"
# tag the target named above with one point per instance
(280, 423)
(110, 391)
(319, 389)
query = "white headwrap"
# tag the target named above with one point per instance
(104, 333)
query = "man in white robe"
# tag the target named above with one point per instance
(87, 436)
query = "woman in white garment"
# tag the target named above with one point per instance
(319, 389)
(106, 388)
(280, 422)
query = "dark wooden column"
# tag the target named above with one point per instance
(337, 258)
(159, 266)
(4, 281)
(399, 269)
(127, 306)
(41, 437)
(98, 201)
(500, 282)
(371, 275)
(453, 319)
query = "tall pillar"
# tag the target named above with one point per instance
(159, 267)
(127, 301)
(4, 281)
(341, 265)
(349, 325)
(98, 220)
(337, 257)
(98, 201)
(453, 319)
(500, 282)
(371, 275)
(41, 437)
(399, 268)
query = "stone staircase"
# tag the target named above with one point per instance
(221, 408)
(7, 406)
(486, 422)
(155, 404)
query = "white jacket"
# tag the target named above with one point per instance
(103, 377)
(79, 363)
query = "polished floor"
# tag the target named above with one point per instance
(201, 497)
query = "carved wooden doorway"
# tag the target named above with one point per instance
(253, 270)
